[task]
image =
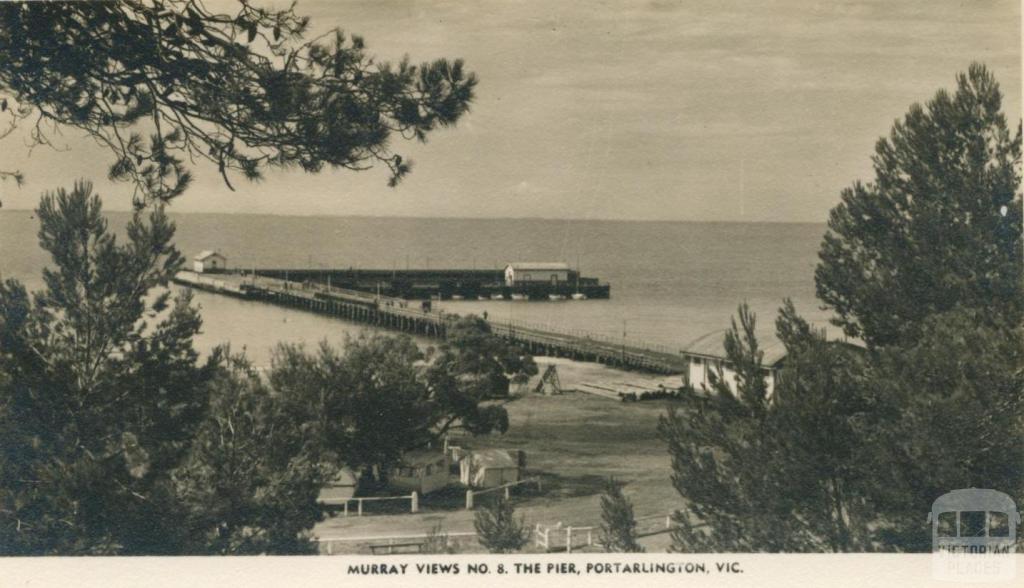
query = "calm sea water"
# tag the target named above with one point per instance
(671, 281)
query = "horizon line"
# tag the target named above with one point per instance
(480, 218)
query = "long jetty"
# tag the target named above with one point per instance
(444, 284)
(421, 319)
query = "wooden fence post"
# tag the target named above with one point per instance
(360, 502)
(415, 501)
(507, 492)
(469, 500)
(568, 539)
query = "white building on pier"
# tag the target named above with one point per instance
(526, 272)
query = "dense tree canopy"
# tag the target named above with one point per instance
(114, 437)
(159, 81)
(383, 396)
(365, 405)
(722, 451)
(925, 266)
(938, 228)
(947, 413)
(789, 473)
(100, 391)
(250, 482)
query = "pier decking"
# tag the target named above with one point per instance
(414, 317)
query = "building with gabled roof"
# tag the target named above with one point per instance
(490, 468)
(707, 354)
(209, 261)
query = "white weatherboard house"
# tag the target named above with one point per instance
(528, 272)
(707, 354)
(209, 261)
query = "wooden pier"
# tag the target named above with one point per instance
(444, 284)
(417, 318)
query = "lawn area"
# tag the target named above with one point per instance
(573, 442)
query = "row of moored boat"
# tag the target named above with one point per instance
(553, 297)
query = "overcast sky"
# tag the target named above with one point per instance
(753, 110)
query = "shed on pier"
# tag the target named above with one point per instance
(529, 272)
(209, 261)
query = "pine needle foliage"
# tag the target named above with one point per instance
(618, 523)
(498, 529)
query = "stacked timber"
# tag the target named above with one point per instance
(630, 391)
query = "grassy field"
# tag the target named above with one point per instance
(573, 442)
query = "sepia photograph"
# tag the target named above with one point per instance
(511, 291)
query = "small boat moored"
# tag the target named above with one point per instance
(579, 296)
(555, 297)
(497, 297)
(520, 297)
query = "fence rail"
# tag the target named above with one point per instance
(555, 537)
(558, 537)
(472, 494)
(385, 541)
(414, 502)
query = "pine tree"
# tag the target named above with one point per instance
(947, 414)
(114, 438)
(100, 391)
(497, 528)
(721, 451)
(938, 228)
(618, 525)
(240, 89)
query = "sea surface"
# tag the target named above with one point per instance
(671, 282)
